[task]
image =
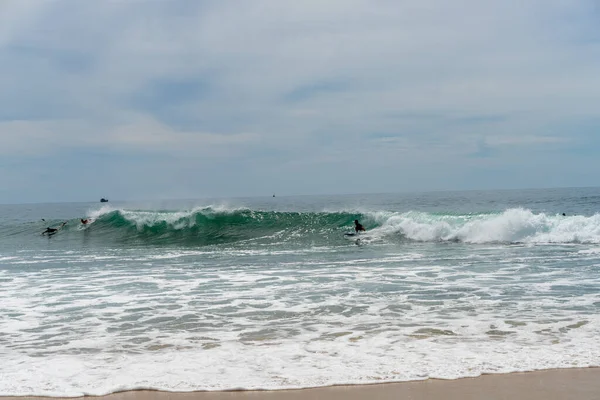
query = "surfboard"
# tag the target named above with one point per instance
(358, 238)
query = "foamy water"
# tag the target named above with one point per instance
(421, 295)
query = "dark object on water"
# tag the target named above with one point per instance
(103, 200)
(358, 227)
(52, 231)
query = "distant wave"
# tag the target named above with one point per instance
(213, 226)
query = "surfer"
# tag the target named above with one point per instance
(84, 221)
(358, 227)
(50, 231)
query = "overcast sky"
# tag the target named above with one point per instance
(160, 99)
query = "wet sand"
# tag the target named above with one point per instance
(576, 384)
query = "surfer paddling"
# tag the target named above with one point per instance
(358, 227)
(50, 231)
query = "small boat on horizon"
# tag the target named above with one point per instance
(103, 200)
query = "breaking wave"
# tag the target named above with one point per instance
(212, 225)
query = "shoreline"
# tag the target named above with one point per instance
(553, 384)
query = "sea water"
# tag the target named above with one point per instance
(268, 293)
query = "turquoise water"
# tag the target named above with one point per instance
(269, 293)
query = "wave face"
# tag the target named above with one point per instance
(213, 226)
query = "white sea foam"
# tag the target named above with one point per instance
(172, 320)
(513, 225)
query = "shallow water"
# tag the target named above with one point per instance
(268, 293)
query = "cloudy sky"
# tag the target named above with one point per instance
(160, 99)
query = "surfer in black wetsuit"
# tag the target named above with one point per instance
(84, 221)
(54, 230)
(50, 230)
(358, 227)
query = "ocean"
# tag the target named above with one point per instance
(268, 293)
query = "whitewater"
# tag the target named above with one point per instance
(268, 293)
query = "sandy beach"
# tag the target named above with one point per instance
(577, 384)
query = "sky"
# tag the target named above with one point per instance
(157, 99)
